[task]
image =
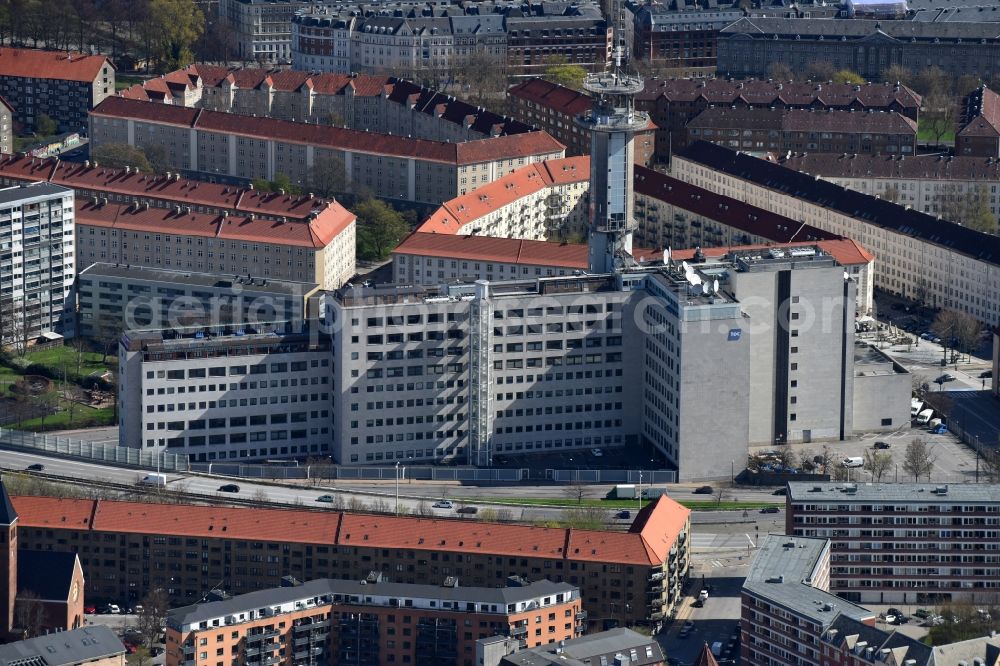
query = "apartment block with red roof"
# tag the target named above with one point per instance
(535, 202)
(382, 104)
(128, 185)
(226, 147)
(553, 108)
(319, 251)
(631, 577)
(61, 85)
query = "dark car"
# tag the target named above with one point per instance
(944, 378)
(624, 513)
(229, 488)
(985, 374)
(703, 490)
(467, 509)
(780, 491)
(770, 509)
(882, 445)
(37, 467)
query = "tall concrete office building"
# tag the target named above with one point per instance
(36, 261)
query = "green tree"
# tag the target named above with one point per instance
(561, 71)
(380, 228)
(45, 125)
(847, 76)
(173, 26)
(120, 155)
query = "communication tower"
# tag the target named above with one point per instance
(612, 122)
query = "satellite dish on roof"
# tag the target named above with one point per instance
(715, 286)
(704, 288)
(666, 257)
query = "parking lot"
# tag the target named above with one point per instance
(953, 461)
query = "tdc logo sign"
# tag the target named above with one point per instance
(735, 334)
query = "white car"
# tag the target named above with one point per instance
(442, 504)
(890, 619)
(703, 595)
(597, 452)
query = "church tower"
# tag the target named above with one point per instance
(8, 562)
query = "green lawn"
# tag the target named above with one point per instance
(83, 417)
(122, 81)
(617, 503)
(57, 357)
(926, 133)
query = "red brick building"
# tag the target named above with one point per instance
(39, 591)
(824, 131)
(979, 127)
(372, 622)
(672, 103)
(127, 548)
(552, 108)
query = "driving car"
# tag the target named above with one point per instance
(882, 445)
(468, 509)
(624, 513)
(442, 504)
(702, 490)
(985, 374)
(325, 498)
(770, 509)
(229, 488)
(780, 491)
(946, 377)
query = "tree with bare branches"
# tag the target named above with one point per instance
(918, 460)
(877, 463)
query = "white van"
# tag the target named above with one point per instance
(925, 416)
(915, 407)
(855, 461)
(158, 480)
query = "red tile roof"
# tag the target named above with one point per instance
(58, 65)
(777, 93)
(641, 546)
(486, 248)
(552, 95)
(981, 114)
(804, 120)
(317, 233)
(846, 251)
(181, 191)
(453, 214)
(471, 152)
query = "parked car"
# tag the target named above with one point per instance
(229, 488)
(703, 490)
(703, 595)
(882, 445)
(597, 452)
(946, 377)
(890, 619)
(468, 509)
(770, 509)
(922, 613)
(684, 633)
(442, 504)
(894, 611)
(985, 374)
(36, 467)
(90, 609)
(325, 498)
(623, 514)
(689, 625)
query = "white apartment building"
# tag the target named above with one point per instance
(929, 183)
(261, 28)
(939, 263)
(227, 147)
(225, 393)
(37, 261)
(318, 251)
(539, 201)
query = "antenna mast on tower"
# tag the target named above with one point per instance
(612, 122)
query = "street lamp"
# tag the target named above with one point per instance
(639, 494)
(397, 485)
